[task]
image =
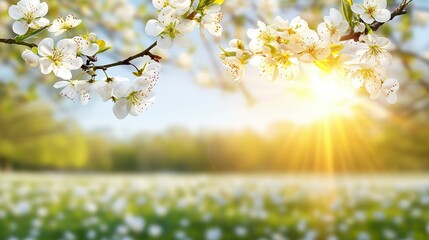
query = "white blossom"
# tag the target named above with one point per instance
(211, 20)
(372, 10)
(105, 87)
(73, 88)
(374, 50)
(61, 25)
(388, 91)
(180, 6)
(334, 26)
(261, 36)
(60, 59)
(315, 48)
(30, 58)
(170, 29)
(283, 63)
(132, 98)
(370, 76)
(235, 67)
(85, 46)
(28, 14)
(291, 33)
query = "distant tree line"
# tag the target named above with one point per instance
(31, 138)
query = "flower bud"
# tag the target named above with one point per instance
(92, 37)
(30, 58)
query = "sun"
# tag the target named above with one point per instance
(323, 95)
(330, 131)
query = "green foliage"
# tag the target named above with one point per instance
(30, 136)
(347, 11)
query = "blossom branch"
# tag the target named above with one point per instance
(15, 42)
(86, 66)
(400, 10)
(128, 60)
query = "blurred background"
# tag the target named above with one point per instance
(278, 160)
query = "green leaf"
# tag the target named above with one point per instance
(368, 28)
(205, 3)
(347, 11)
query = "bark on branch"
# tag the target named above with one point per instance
(128, 60)
(13, 41)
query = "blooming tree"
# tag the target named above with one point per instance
(344, 44)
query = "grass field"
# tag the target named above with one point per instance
(213, 207)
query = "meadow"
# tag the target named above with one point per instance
(213, 207)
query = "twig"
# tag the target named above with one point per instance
(128, 60)
(13, 41)
(400, 10)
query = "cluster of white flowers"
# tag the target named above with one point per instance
(282, 49)
(129, 97)
(178, 18)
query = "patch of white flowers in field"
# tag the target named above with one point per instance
(69, 52)
(283, 49)
(201, 207)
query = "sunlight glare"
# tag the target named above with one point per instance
(324, 95)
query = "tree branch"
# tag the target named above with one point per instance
(128, 60)
(13, 41)
(400, 10)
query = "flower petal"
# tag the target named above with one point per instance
(43, 10)
(382, 16)
(392, 98)
(381, 4)
(20, 27)
(62, 72)
(15, 13)
(121, 109)
(46, 66)
(367, 18)
(39, 23)
(91, 50)
(336, 16)
(154, 28)
(46, 47)
(358, 9)
(165, 42)
(61, 84)
(84, 97)
(122, 89)
(76, 63)
(30, 58)
(104, 90)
